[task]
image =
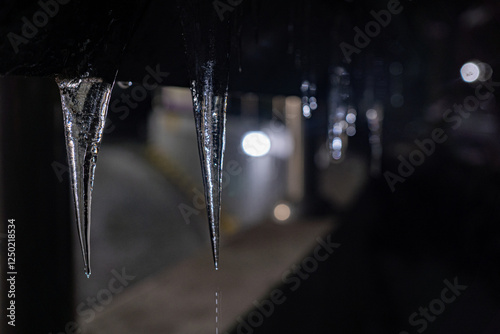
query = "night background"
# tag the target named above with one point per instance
(361, 177)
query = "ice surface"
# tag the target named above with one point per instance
(210, 119)
(84, 104)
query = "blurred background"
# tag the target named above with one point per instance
(361, 183)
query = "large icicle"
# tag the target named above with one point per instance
(210, 119)
(207, 35)
(84, 104)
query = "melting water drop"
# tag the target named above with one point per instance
(84, 104)
(210, 119)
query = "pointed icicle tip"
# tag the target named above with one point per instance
(84, 104)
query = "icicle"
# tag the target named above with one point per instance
(84, 104)
(207, 36)
(210, 118)
(339, 112)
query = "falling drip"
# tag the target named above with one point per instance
(84, 104)
(210, 119)
(217, 310)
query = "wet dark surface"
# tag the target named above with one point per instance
(69, 38)
(281, 42)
